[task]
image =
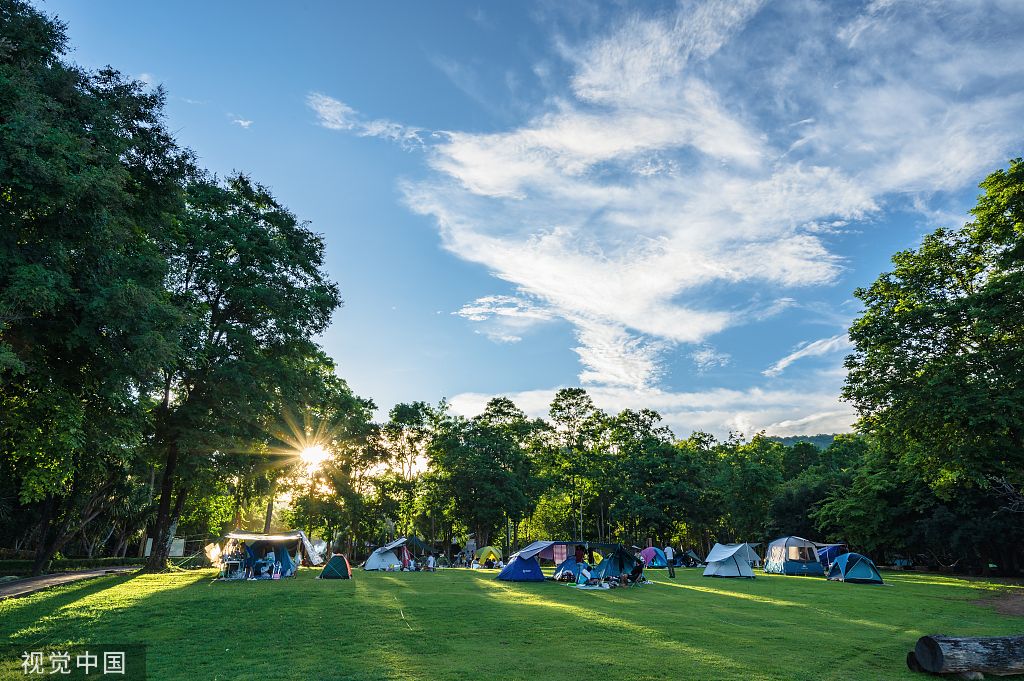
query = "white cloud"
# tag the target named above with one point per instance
(334, 114)
(241, 122)
(718, 411)
(695, 150)
(504, 318)
(817, 348)
(147, 78)
(706, 357)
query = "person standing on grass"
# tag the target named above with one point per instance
(431, 563)
(669, 556)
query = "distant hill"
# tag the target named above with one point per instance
(821, 441)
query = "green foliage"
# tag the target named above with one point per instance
(936, 372)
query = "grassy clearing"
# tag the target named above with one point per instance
(459, 624)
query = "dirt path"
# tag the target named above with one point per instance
(24, 587)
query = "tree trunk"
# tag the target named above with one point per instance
(998, 655)
(270, 513)
(161, 542)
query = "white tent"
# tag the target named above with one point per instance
(731, 560)
(387, 556)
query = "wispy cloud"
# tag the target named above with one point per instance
(823, 346)
(334, 114)
(706, 357)
(243, 123)
(504, 318)
(717, 411)
(666, 165)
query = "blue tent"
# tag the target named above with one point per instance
(520, 569)
(853, 567)
(654, 557)
(568, 565)
(793, 556)
(827, 553)
(616, 563)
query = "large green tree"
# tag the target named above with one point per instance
(248, 277)
(937, 372)
(89, 178)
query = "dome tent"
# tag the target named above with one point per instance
(488, 552)
(337, 568)
(853, 567)
(793, 556)
(654, 557)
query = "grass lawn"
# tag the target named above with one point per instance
(461, 624)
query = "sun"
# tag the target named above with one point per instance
(314, 456)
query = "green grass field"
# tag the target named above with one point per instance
(460, 624)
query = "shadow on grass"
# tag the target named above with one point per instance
(458, 624)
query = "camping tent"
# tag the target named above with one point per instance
(337, 568)
(654, 557)
(793, 556)
(731, 560)
(853, 567)
(690, 559)
(827, 553)
(524, 565)
(418, 546)
(289, 549)
(522, 569)
(488, 552)
(616, 562)
(389, 556)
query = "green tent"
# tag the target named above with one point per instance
(336, 568)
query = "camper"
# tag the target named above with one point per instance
(731, 560)
(793, 556)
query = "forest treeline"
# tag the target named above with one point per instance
(159, 376)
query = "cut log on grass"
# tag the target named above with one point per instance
(912, 662)
(998, 655)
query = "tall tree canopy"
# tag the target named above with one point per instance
(937, 373)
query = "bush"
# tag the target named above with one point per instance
(24, 567)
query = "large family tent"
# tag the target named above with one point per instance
(389, 556)
(853, 567)
(289, 549)
(793, 556)
(731, 560)
(488, 552)
(524, 565)
(827, 553)
(337, 568)
(654, 557)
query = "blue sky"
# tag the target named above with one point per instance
(669, 204)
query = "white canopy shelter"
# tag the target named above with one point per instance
(293, 538)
